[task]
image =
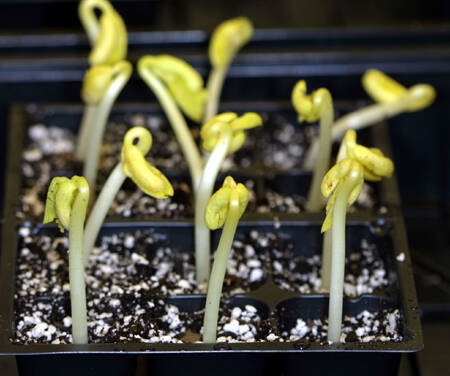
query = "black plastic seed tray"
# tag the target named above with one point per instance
(284, 306)
(281, 305)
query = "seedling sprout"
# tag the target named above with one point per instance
(392, 99)
(67, 201)
(175, 83)
(310, 108)
(224, 134)
(227, 39)
(101, 87)
(224, 208)
(342, 185)
(107, 35)
(134, 166)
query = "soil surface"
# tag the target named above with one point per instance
(365, 270)
(128, 279)
(49, 152)
(380, 326)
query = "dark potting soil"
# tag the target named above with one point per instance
(49, 152)
(283, 143)
(128, 274)
(128, 278)
(365, 271)
(381, 326)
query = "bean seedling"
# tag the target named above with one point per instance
(224, 208)
(224, 134)
(134, 166)
(67, 201)
(175, 83)
(310, 108)
(392, 99)
(342, 185)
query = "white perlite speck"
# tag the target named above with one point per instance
(236, 312)
(256, 275)
(172, 317)
(24, 232)
(401, 257)
(114, 303)
(232, 326)
(129, 241)
(67, 321)
(43, 330)
(138, 259)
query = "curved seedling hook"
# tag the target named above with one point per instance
(227, 39)
(137, 168)
(384, 89)
(310, 108)
(108, 35)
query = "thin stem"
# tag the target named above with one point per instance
(215, 83)
(315, 201)
(179, 126)
(76, 271)
(326, 261)
(218, 272)
(338, 264)
(101, 207)
(83, 134)
(96, 135)
(369, 115)
(205, 188)
(360, 119)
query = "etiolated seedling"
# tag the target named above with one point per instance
(107, 34)
(310, 108)
(227, 39)
(392, 99)
(175, 83)
(102, 85)
(224, 208)
(67, 201)
(136, 145)
(342, 185)
(222, 135)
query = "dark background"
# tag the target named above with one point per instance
(329, 42)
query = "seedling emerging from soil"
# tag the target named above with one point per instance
(224, 134)
(67, 201)
(101, 86)
(136, 145)
(227, 39)
(107, 35)
(310, 108)
(344, 182)
(226, 206)
(392, 99)
(174, 82)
